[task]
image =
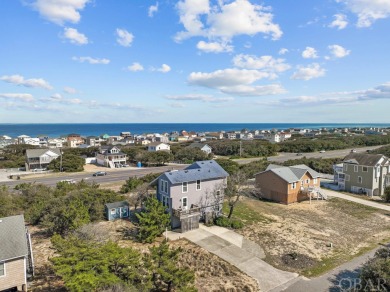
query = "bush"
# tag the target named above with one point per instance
(228, 223)
(236, 224)
(386, 195)
(222, 221)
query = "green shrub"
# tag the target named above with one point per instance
(236, 224)
(222, 221)
(228, 223)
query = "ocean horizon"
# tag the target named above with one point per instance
(96, 129)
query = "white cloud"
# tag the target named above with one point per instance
(368, 11)
(266, 63)
(283, 51)
(235, 81)
(58, 98)
(311, 71)
(258, 90)
(310, 53)
(17, 96)
(135, 67)
(225, 20)
(177, 104)
(91, 60)
(124, 38)
(33, 82)
(338, 51)
(378, 93)
(70, 90)
(164, 68)
(199, 97)
(340, 21)
(214, 47)
(74, 36)
(153, 9)
(60, 11)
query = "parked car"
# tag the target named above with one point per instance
(299, 154)
(125, 165)
(69, 181)
(100, 173)
(353, 151)
(322, 151)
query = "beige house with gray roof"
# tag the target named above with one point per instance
(40, 158)
(365, 174)
(15, 254)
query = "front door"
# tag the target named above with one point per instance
(184, 203)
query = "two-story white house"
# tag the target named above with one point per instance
(193, 193)
(110, 156)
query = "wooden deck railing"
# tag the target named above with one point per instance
(179, 213)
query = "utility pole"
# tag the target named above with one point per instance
(240, 147)
(61, 161)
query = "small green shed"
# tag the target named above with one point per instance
(117, 210)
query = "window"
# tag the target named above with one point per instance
(315, 181)
(360, 179)
(161, 185)
(347, 177)
(293, 185)
(166, 187)
(345, 167)
(356, 168)
(113, 211)
(2, 269)
(184, 202)
(365, 169)
(198, 184)
(184, 187)
(308, 181)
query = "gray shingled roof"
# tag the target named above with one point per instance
(117, 204)
(197, 145)
(364, 159)
(292, 173)
(201, 170)
(13, 241)
(39, 152)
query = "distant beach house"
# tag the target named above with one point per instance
(110, 156)
(158, 146)
(193, 193)
(40, 158)
(204, 147)
(74, 140)
(288, 185)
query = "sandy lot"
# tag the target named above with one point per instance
(304, 232)
(211, 272)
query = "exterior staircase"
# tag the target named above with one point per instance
(111, 164)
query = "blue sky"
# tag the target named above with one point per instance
(69, 61)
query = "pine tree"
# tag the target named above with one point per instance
(166, 274)
(152, 221)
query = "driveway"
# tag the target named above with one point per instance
(238, 251)
(335, 194)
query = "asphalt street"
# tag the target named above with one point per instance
(283, 156)
(52, 179)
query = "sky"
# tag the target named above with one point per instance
(194, 61)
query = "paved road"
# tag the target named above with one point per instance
(284, 156)
(238, 251)
(112, 176)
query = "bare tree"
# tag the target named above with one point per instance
(140, 194)
(236, 188)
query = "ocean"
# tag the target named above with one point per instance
(58, 130)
